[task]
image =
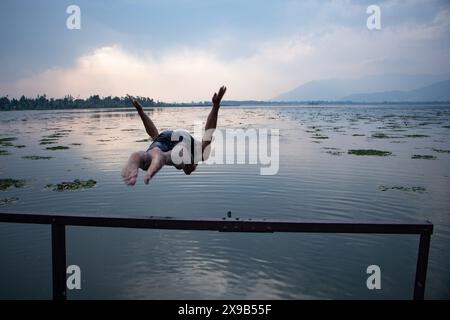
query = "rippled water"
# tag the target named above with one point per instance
(317, 179)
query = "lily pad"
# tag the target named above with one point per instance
(423, 156)
(48, 141)
(72, 185)
(57, 148)
(416, 136)
(334, 152)
(441, 150)
(318, 136)
(8, 183)
(6, 201)
(403, 188)
(7, 142)
(369, 152)
(36, 158)
(380, 135)
(7, 139)
(55, 135)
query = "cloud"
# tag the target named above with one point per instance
(182, 74)
(192, 73)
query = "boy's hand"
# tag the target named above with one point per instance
(135, 103)
(217, 97)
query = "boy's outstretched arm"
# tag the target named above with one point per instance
(211, 121)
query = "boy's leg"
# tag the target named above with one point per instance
(148, 123)
(158, 160)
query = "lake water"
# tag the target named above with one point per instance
(317, 180)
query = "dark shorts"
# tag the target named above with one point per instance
(164, 141)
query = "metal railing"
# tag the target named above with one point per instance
(59, 222)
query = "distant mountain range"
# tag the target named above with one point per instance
(439, 91)
(393, 88)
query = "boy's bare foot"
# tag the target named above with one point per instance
(135, 103)
(130, 171)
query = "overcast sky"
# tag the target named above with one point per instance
(183, 50)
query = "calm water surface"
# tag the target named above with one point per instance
(317, 180)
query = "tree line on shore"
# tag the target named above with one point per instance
(41, 102)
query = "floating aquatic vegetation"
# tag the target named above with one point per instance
(319, 136)
(7, 139)
(55, 135)
(427, 123)
(6, 201)
(403, 188)
(143, 140)
(447, 127)
(45, 138)
(441, 150)
(416, 136)
(36, 158)
(72, 185)
(103, 140)
(399, 130)
(358, 135)
(57, 148)
(48, 140)
(380, 135)
(75, 144)
(20, 146)
(4, 152)
(7, 142)
(423, 156)
(338, 129)
(8, 183)
(335, 152)
(369, 152)
(390, 126)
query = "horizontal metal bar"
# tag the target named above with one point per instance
(223, 224)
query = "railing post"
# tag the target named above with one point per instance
(422, 264)
(59, 261)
